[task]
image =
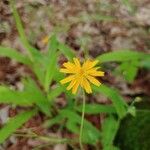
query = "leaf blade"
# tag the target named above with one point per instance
(96, 109)
(13, 54)
(15, 123)
(109, 130)
(118, 102)
(66, 51)
(120, 55)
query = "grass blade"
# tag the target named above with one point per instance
(8, 96)
(109, 130)
(66, 51)
(13, 54)
(36, 95)
(55, 92)
(31, 50)
(14, 123)
(52, 60)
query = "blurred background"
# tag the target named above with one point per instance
(89, 27)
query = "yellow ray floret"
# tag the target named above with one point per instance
(81, 75)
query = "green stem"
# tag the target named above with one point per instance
(44, 138)
(82, 122)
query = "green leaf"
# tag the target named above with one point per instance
(118, 102)
(31, 50)
(120, 56)
(96, 108)
(52, 60)
(55, 92)
(41, 63)
(14, 123)
(66, 51)
(8, 96)
(109, 130)
(13, 54)
(53, 121)
(37, 95)
(145, 63)
(30, 95)
(129, 70)
(90, 134)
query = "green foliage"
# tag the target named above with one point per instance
(128, 70)
(130, 62)
(121, 56)
(134, 132)
(40, 95)
(13, 54)
(8, 96)
(109, 130)
(145, 63)
(91, 134)
(37, 96)
(96, 109)
(52, 61)
(27, 97)
(118, 102)
(66, 51)
(14, 123)
(31, 50)
(55, 92)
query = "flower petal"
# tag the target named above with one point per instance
(93, 80)
(72, 83)
(67, 71)
(77, 63)
(67, 79)
(75, 87)
(93, 63)
(86, 85)
(85, 64)
(89, 64)
(94, 72)
(69, 65)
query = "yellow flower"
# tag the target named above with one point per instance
(45, 40)
(81, 75)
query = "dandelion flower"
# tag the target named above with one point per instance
(45, 40)
(81, 75)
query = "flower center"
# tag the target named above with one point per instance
(81, 72)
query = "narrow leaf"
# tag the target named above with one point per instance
(31, 50)
(14, 123)
(37, 95)
(55, 92)
(90, 134)
(118, 102)
(96, 109)
(66, 51)
(8, 96)
(13, 54)
(122, 55)
(52, 60)
(109, 130)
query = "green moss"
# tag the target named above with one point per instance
(134, 132)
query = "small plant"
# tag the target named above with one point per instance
(41, 96)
